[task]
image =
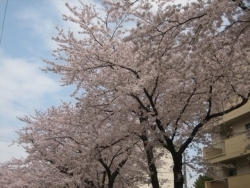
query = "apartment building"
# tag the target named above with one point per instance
(231, 148)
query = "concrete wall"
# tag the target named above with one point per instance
(240, 125)
(243, 166)
(164, 168)
(241, 181)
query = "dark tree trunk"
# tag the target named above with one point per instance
(152, 169)
(112, 176)
(151, 164)
(103, 179)
(111, 183)
(177, 170)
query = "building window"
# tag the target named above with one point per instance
(232, 172)
(248, 127)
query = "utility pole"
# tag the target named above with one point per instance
(184, 170)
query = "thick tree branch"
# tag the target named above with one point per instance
(182, 112)
(140, 102)
(151, 102)
(206, 119)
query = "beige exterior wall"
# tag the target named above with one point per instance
(234, 146)
(235, 114)
(228, 149)
(222, 173)
(238, 124)
(164, 169)
(216, 184)
(241, 181)
(243, 166)
(232, 151)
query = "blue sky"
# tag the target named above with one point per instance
(26, 39)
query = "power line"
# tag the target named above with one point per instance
(15, 103)
(28, 108)
(3, 21)
(6, 139)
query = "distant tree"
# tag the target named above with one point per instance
(152, 71)
(200, 181)
(60, 143)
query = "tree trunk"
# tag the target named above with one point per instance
(152, 169)
(150, 158)
(111, 183)
(151, 165)
(177, 170)
(103, 179)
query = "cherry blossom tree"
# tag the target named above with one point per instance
(64, 152)
(150, 71)
(175, 68)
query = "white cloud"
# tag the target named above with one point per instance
(25, 77)
(43, 20)
(40, 21)
(61, 9)
(23, 87)
(22, 83)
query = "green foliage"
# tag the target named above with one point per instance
(200, 182)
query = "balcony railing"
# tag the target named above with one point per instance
(239, 181)
(216, 184)
(227, 149)
(217, 150)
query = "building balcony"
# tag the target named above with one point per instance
(227, 149)
(217, 184)
(240, 181)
